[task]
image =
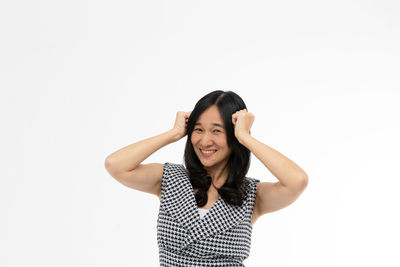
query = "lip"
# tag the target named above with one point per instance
(209, 154)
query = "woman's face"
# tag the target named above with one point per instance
(209, 139)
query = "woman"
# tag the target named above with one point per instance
(208, 207)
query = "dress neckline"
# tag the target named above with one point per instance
(194, 202)
(180, 197)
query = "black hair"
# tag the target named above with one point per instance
(234, 191)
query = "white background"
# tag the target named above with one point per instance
(81, 79)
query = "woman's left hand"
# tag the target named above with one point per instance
(242, 121)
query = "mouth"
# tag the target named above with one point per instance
(207, 153)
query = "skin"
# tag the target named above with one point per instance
(270, 196)
(125, 164)
(292, 179)
(209, 134)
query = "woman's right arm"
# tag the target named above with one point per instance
(125, 164)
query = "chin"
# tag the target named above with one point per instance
(206, 163)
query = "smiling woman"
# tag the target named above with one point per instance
(209, 137)
(209, 146)
(208, 206)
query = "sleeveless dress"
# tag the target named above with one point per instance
(222, 237)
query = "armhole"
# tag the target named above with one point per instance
(253, 193)
(164, 181)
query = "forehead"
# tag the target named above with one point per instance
(210, 116)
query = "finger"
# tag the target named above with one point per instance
(234, 119)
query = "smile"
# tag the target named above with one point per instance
(207, 153)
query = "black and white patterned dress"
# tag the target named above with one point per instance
(221, 238)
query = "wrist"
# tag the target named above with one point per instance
(243, 138)
(173, 135)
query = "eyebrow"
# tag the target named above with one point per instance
(214, 124)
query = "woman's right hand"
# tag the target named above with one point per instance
(181, 123)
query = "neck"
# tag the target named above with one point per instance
(218, 176)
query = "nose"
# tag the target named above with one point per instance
(206, 140)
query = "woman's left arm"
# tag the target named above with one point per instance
(292, 179)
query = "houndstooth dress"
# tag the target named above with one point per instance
(221, 238)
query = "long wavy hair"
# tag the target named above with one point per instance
(234, 191)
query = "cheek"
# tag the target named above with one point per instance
(193, 139)
(221, 141)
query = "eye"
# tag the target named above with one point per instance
(197, 129)
(217, 130)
